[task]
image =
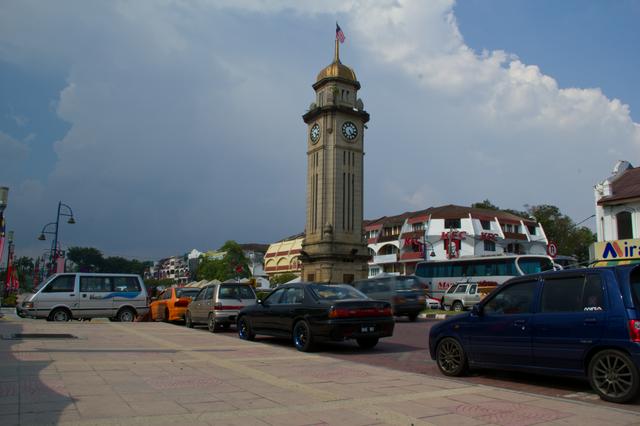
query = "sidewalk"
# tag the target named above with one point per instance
(155, 373)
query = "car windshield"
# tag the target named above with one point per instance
(335, 292)
(409, 283)
(187, 292)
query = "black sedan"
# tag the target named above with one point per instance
(312, 312)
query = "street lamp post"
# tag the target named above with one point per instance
(424, 245)
(54, 245)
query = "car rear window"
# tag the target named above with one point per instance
(336, 292)
(408, 284)
(187, 292)
(236, 292)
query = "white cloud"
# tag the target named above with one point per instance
(185, 124)
(12, 150)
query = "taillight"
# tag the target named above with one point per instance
(359, 312)
(398, 299)
(182, 302)
(220, 307)
(634, 330)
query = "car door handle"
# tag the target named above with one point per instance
(71, 295)
(590, 321)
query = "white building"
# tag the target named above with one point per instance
(618, 204)
(397, 243)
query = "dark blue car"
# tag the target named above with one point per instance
(581, 323)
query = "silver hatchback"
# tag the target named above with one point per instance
(217, 305)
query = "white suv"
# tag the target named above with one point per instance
(461, 296)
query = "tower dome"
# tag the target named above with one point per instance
(337, 69)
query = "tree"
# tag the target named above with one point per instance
(232, 265)
(87, 259)
(560, 228)
(571, 240)
(282, 278)
(24, 267)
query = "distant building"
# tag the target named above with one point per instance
(397, 243)
(284, 256)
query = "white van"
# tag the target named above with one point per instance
(120, 297)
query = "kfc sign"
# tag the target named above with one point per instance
(488, 236)
(453, 235)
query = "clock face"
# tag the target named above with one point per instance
(315, 133)
(349, 131)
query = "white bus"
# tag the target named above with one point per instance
(486, 271)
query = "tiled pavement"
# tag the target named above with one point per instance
(154, 373)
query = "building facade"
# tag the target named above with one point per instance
(397, 243)
(618, 204)
(284, 257)
(333, 249)
(617, 211)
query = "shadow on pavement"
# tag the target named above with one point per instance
(31, 392)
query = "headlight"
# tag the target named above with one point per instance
(27, 305)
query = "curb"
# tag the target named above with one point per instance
(433, 316)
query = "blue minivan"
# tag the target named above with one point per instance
(580, 322)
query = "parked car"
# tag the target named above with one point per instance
(432, 303)
(171, 304)
(62, 297)
(460, 296)
(311, 313)
(579, 322)
(217, 305)
(403, 292)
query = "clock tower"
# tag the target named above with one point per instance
(333, 249)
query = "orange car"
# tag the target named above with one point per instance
(171, 304)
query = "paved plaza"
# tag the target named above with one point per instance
(156, 373)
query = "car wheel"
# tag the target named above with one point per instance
(614, 376)
(413, 317)
(126, 315)
(367, 342)
(244, 329)
(59, 314)
(302, 338)
(450, 357)
(187, 320)
(446, 307)
(457, 306)
(211, 323)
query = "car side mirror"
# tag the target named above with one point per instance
(476, 310)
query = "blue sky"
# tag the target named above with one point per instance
(171, 125)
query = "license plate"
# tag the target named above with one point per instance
(367, 329)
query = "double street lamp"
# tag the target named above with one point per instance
(54, 245)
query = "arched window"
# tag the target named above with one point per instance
(625, 229)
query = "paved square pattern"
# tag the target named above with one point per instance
(155, 373)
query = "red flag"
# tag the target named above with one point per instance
(339, 34)
(2, 229)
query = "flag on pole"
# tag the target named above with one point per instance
(2, 228)
(9, 279)
(339, 34)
